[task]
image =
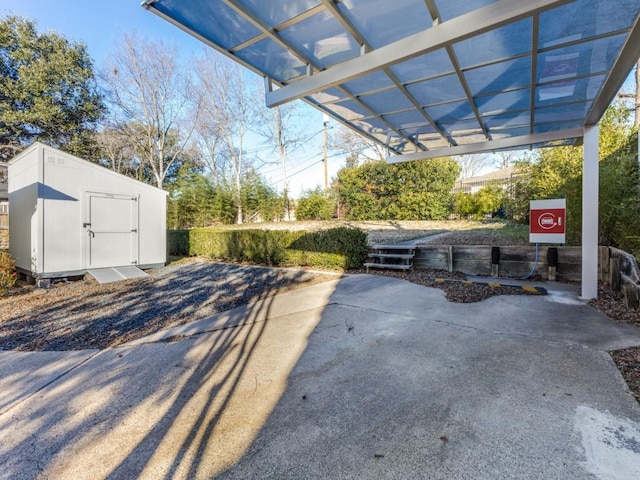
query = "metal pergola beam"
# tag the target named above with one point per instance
(455, 30)
(274, 35)
(627, 58)
(490, 146)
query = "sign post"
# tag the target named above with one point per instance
(547, 221)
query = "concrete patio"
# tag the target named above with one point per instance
(362, 377)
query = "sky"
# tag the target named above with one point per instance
(99, 25)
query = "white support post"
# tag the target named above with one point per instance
(590, 213)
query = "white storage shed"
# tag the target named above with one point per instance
(69, 216)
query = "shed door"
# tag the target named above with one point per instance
(111, 223)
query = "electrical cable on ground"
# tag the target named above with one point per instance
(535, 265)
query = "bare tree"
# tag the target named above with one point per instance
(352, 143)
(282, 128)
(508, 158)
(471, 165)
(230, 107)
(209, 144)
(117, 151)
(153, 101)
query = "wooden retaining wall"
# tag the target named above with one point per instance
(514, 261)
(620, 271)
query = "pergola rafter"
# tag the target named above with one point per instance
(431, 78)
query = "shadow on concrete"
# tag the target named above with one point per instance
(179, 407)
(363, 377)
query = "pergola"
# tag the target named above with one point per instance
(432, 78)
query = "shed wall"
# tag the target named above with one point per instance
(60, 193)
(153, 228)
(23, 221)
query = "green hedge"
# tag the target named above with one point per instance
(178, 242)
(350, 242)
(259, 246)
(303, 258)
(335, 248)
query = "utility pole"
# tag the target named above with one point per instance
(325, 122)
(635, 96)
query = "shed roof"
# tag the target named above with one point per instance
(430, 78)
(84, 164)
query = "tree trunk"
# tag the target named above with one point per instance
(238, 199)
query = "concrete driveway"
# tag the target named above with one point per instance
(362, 377)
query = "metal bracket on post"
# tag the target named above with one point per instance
(268, 85)
(552, 261)
(495, 261)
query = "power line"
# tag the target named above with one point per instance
(305, 168)
(291, 164)
(298, 172)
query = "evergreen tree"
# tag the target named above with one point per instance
(47, 91)
(407, 191)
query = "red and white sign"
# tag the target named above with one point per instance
(547, 221)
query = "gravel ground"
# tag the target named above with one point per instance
(85, 314)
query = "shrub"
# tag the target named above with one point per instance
(315, 205)
(178, 242)
(404, 191)
(258, 246)
(464, 205)
(303, 258)
(350, 242)
(8, 275)
(335, 248)
(484, 202)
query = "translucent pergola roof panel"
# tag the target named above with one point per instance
(499, 77)
(431, 65)
(429, 78)
(276, 12)
(448, 10)
(503, 43)
(377, 19)
(323, 39)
